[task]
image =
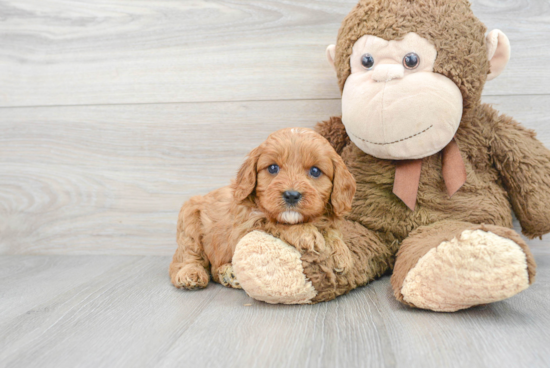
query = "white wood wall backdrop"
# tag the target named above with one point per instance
(77, 52)
(112, 113)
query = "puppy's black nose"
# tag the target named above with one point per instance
(292, 197)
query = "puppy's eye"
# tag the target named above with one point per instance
(367, 61)
(315, 172)
(411, 61)
(273, 169)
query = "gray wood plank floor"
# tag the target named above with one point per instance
(121, 311)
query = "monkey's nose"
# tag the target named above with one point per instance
(388, 72)
(292, 197)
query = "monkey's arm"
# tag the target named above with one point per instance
(524, 166)
(335, 132)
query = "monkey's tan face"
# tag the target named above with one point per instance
(393, 105)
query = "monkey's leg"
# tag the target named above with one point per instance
(371, 257)
(270, 270)
(189, 265)
(453, 265)
(273, 271)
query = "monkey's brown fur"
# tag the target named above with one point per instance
(507, 167)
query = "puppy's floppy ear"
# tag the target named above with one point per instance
(246, 177)
(343, 187)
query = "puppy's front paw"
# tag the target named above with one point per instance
(343, 261)
(311, 240)
(342, 256)
(191, 277)
(227, 277)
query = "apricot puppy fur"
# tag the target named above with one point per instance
(294, 186)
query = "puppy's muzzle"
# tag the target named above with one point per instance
(291, 197)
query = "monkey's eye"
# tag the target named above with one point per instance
(315, 172)
(411, 61)
(273, 169)
(367, 61)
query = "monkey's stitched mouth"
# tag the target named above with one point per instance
(400, 140)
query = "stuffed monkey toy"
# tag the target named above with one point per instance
(438, 172)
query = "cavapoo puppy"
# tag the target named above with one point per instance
(294, 186)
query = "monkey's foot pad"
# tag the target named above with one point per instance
(478, 268)
(270, 270)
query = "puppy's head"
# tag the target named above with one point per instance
(296, 176)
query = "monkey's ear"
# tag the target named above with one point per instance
(498, 52)
(331, 52)
(246, 178)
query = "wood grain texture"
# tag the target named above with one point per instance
(111, 179)
(127, 314)
(26, 282)
(101, 184)
(74, 52)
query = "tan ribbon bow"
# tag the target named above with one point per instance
(407, 175)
